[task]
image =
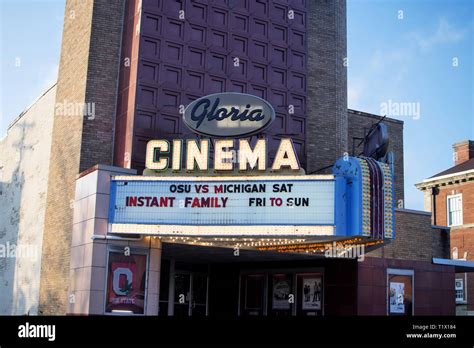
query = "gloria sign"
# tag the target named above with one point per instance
(228, 115)
(299, 201)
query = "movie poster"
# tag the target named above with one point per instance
(281, 292)
(397, 297)
(126, 283)
(312, 293)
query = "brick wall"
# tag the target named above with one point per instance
(463, 239)
(413, 248)
(127, 85)
(433, 286)
(467, 191)
(102, 83)
(327, 124)
(464, 151)
(415, 238)
(359, 125)
(87, 73)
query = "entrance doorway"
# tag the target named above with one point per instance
(190, 294)
(184, 289)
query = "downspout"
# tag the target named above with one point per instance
(434, 193)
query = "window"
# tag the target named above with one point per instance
(459, 287)
(454, 210)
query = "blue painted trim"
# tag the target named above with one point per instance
(228, 224)
(223, 182)
(113, 190)
(113, 193)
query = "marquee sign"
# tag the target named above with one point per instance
(367, 190)
(294, 201)
(356, 201)
(228, 115)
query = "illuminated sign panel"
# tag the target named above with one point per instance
(228, 115)
(162, 155)
(364, 191)
(221, 202)
(356, 201)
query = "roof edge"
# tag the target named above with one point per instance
(437, 180)
(16, 119)
(378, 117)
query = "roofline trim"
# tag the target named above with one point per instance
(362, 113)
(413, 211)
(443, 178)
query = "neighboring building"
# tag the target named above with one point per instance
(24, 167)
(449, 195)
(131, 66)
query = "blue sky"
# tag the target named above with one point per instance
(30, 42)
(410, 60)
(402, 57)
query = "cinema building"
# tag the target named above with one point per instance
(221, 172)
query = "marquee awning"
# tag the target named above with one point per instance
(460, 266)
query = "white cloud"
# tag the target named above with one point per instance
(444, 34)
(354, 92)
(393, 63)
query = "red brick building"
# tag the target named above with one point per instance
(449, 195)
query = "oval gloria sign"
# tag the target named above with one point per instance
(228, 115)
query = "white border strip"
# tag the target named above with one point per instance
(447, 176)
(216, 231)
(223, 178)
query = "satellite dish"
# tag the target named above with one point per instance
(376, 143)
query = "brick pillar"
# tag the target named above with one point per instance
(463, 151)
(326, 132)
(89, 247)
(88, 73)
